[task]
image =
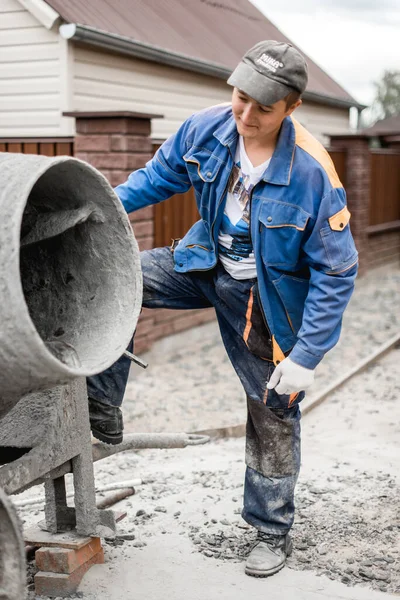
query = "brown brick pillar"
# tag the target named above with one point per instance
(118, 143)
(358, 173)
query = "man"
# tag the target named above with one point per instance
(272, 253)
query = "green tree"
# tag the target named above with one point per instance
(387, 99)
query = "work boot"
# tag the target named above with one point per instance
(106, 422)
(268, 555)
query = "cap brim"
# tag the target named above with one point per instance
(261, 88)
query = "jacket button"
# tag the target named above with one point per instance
(269, 219)
(180, 264)
(341, 225)
(209, 174)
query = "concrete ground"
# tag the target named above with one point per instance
(190, 541)
(186, 536)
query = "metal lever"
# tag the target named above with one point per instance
(136, 359)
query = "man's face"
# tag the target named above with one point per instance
(256, 121)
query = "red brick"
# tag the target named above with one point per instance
(143, 214)
(66, 560)
(107, 174)
(146, 243)
(61, 584)
(117, 160)
(94, 143)
(118, 177)
(164, 314)
(193, 320)
(143, 228)
(114, 125)
(160, 331)
(144, 328)
(147, 313)
(131, 143)
(82, 155)
(142, 344)
(137, 161)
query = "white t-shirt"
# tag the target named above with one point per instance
(234, 242)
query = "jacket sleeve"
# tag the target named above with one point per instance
(331, 256)
(162, 177)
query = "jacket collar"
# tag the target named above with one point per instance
(280, 167)
(227, 133)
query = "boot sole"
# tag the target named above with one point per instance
(108, 438)
(261, 574)
(268, 573)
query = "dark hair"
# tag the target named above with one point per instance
(292, 98)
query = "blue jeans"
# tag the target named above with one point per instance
(273, 420)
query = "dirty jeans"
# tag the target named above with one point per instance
(273, 427)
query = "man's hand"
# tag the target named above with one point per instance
(289, 377)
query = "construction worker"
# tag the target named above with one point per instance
(272, 253)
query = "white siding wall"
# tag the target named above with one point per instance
(104, 81)
(320, 120)
(32, 75)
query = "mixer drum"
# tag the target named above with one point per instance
(70, 278)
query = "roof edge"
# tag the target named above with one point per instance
(332, 101)
(42, 11)
(130, 47)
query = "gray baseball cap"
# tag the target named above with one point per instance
(269, 71)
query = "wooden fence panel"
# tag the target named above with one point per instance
(339, 160)
(42, 146)
(174, 217)
(385, 187)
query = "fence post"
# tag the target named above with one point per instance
(117, 143)
(358, 187)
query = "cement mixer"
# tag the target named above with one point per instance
(70, 297)
(69, 274)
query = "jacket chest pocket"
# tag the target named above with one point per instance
(281, 229)
(202, 166)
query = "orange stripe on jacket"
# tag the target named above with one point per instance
(309, 144)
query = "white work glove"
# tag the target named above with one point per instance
(289, 377)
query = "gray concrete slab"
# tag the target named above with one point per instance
(168, 569)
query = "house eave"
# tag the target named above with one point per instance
(332, 101)
(129, 47)
(44, 13)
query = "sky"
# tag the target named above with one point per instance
(354, 41)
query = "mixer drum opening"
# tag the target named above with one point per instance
(76, 265)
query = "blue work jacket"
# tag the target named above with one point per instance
(305, 255)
